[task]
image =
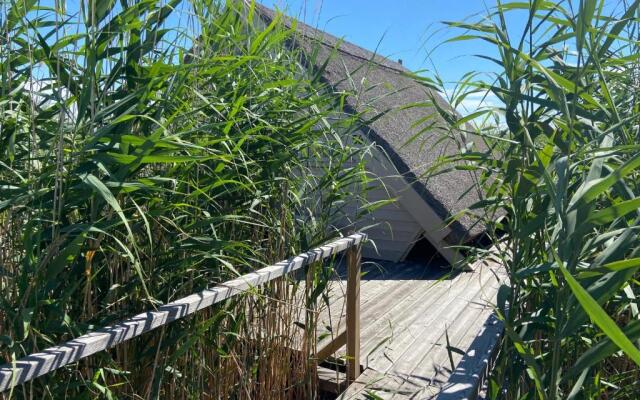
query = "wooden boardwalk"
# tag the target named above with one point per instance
(424, 332)
(409, 311)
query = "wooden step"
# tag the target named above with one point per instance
(331, 381)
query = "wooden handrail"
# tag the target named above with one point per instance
(52, 358)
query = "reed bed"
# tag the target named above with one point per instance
(150, 149)
(561, 173)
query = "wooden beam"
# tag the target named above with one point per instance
(466, 380)
(450, 254)
(50, 359)
(353, 312)
(332, 346)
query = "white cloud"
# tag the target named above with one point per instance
(476, 102)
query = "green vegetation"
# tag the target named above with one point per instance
(149, 150)
(563, 171)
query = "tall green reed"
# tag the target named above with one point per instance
(148, 150)
(561, 177)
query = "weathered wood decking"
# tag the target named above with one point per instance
(408, 312)
(410, 316)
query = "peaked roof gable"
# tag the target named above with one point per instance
(387, 86)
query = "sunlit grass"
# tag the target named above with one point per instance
(561, 179)
(148, 150)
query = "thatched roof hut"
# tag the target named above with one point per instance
(426, 201)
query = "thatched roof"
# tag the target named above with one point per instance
(386, 86)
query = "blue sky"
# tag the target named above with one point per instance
(403, 29)
(399, 29)
(411, 30)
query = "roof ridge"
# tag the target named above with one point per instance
(399, 68)
(318, 35)
(393, 130)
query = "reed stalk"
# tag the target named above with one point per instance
(560, 169)
(150, 149)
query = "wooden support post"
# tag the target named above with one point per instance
(353, 312)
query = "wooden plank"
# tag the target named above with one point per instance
(425, 377)
(482, 310)
(382, 383)
(371, 284)
(377, 284)
(369, 380)
(437, 367)
(401, 319)
(424, 334)
(333, 316)
(397, 297)
(384, 294)
(483, 330)
(50, 359)
(426, 325)
(331, 347)
(353, 313)
(408, 301)
(481, 347)
(471, 371)
(428, 375)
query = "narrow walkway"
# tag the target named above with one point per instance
(409, 312)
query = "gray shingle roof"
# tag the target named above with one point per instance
(386, 86)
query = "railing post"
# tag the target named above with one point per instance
(353, 312)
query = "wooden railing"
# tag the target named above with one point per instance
(38, 364)
(351, 335)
